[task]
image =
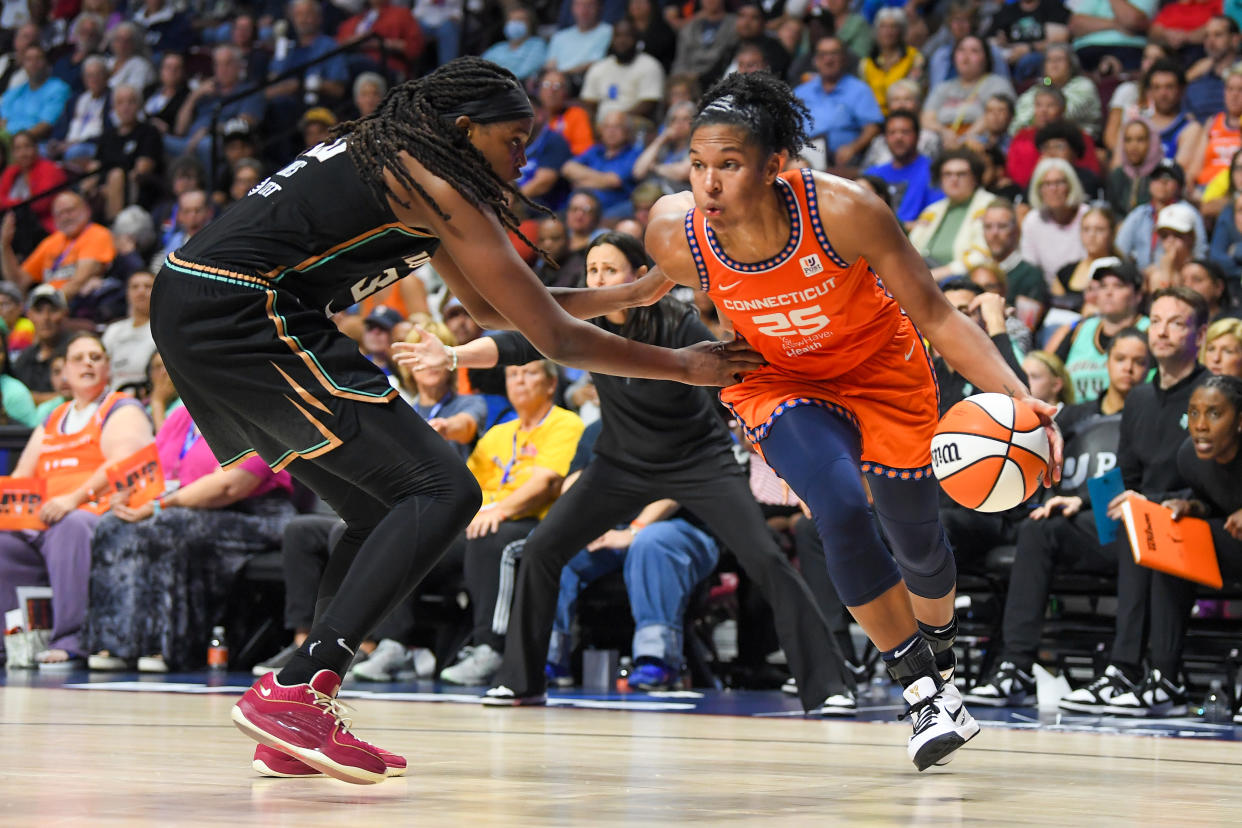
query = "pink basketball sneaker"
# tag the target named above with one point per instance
(307, 722)
(270, 762)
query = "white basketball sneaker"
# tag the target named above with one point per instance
(941, 722)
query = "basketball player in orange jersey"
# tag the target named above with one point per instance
(816, 274)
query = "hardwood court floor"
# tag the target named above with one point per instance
(74, 758)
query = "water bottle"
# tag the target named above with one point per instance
(217, 651)
(1218, 706)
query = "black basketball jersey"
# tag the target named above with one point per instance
(316, 230)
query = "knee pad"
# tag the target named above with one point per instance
(926, 561)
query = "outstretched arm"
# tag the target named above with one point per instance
(501, 290)
(876, 236)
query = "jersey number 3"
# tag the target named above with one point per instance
(800, 322)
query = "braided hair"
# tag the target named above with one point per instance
(760, 103)
(416, 117)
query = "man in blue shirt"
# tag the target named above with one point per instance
(194, 120)
(572, 50)
(1205, 95)
(328, 79)
(321, 84)
(38, 103)
(607, 168)
(908, 174)
(843, 108)
(541, 179)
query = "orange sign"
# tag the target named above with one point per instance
(140, 474)
(21, 498)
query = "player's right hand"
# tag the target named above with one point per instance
(427, 352)
(719, 363)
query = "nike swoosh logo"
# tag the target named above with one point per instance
(310, 651)
(341, 641)
(912, 347)
(265, 691)
(898, 654)
(731, 286)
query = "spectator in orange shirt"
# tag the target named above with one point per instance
(403, 38)
(572, 122)
(73, 259)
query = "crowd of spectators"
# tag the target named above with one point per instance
(1071, 173)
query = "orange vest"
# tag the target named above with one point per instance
(67, 461)
(1222, 143)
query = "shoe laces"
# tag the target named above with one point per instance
(336, 708)
(923, 712)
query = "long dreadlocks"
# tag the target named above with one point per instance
(413, 118)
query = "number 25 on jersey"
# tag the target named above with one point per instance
(800, 322)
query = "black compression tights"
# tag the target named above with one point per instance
(404, 495)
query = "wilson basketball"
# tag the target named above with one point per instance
(990, 452)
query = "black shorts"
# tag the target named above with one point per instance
(259, 371)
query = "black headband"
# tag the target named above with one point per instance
(510, 105)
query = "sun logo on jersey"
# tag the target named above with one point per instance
(811, 265)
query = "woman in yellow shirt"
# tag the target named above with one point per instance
(891, 59)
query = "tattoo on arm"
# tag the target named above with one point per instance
(1011, 392)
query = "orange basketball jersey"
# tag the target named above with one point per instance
(831, 334)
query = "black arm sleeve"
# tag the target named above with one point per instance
(515, 349)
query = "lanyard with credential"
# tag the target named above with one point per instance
(439, 406)
(508, 467)
(191, 437)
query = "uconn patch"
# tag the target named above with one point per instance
(811, 265)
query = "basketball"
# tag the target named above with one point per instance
(990, 452)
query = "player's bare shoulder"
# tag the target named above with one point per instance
(666, 238)
(851, 213)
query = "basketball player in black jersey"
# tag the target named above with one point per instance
(241, 315)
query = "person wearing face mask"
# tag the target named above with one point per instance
(522, 52)
(627, 80)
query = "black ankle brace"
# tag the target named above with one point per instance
(914, 665)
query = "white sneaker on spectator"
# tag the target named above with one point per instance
(152, 664)
(106, 663)
(387, 659)
(276, 663)
(1098, 694)
(504, 697)
(1156, 696)
(941, 722)
(790, 686)
(838, 704)
(475, 667)
(1007, 687)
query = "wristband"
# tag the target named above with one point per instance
(636, 527)
(157, 505)
(452, 366)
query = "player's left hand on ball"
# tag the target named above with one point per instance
(1056, 443)
(720, 363)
